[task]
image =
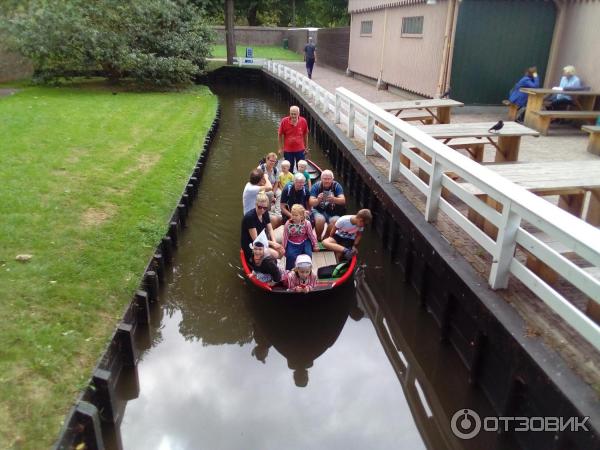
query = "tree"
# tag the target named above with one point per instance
(160, 42)
(230, 30)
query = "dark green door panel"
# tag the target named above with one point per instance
(496, 40)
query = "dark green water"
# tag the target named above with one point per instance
(231, 368)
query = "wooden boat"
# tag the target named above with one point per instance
(313, 170)
(320, 259)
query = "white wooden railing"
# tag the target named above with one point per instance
(364, 120)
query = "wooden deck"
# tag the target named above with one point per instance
(320, 259)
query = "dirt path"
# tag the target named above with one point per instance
(4, 92)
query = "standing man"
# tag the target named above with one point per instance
(293, 137)
(310, 56)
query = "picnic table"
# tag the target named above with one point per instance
(506, 141)
(442, 107)
(534, 116)
(594, 141)
(572, 181)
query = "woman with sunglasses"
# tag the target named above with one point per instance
(255, 221)
(269, 167)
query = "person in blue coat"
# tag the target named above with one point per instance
(516, 97)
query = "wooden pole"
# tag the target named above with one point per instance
(229, 31)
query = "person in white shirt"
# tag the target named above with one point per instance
(346, 234)
(258, 182)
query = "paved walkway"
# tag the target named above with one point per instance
(565, 143)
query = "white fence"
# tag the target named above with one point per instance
(520, 207)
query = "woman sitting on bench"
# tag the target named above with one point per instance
(569, 81)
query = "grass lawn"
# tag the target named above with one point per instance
(88, 181)
(260, 51)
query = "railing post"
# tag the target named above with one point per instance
(370, 135)
(435, 190)
(395, 160)
(338, 108)
(505, 247)
(351, 116)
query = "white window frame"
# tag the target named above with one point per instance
(370, 33)
(412, 35)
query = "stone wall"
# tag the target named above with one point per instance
(334, 44)
(13, 66)
(297, 38)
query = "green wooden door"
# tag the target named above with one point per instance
(496, 40)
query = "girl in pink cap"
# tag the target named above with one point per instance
(301, 278)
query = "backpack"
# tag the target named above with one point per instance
(333, 271)
(262, 164)
(338, 210)
(289, 188)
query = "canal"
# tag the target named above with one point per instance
(228, 367)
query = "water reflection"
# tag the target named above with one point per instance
(300, 332)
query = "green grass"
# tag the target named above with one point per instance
(260, 51)
(88, 181)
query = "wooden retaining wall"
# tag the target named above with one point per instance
(95, 419)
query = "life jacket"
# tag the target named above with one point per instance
(337, 210)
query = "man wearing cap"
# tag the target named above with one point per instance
(310, 56)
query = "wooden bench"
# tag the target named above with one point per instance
(545, 117)
(512, 110)
(422, 116)
(594, 142)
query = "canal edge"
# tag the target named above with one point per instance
(97, 406)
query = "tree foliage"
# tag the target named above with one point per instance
(308, 13)
(160, 42)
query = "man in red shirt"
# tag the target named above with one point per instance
(293, 137)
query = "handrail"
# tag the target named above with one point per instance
(518, 204)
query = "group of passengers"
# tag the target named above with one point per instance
(281, 194)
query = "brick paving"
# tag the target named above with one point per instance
(564, 143)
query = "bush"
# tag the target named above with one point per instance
(160, 42)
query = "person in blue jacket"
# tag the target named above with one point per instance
(516, 97)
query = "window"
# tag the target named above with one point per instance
(366, 27)
(412, 26)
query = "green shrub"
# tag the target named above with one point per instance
(161, 42)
